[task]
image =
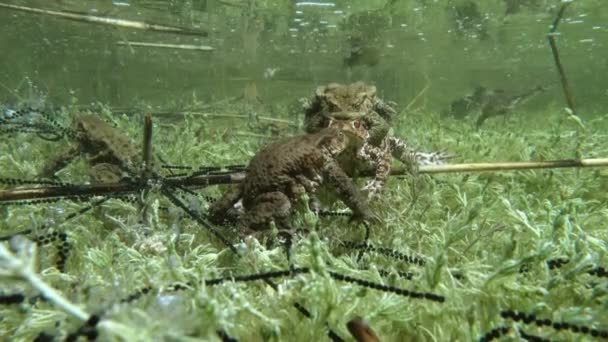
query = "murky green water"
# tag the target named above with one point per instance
(288, 47)
(453, 256)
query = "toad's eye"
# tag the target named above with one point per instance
(357, 124)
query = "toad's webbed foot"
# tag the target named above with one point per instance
(434, 158)
(413, 159)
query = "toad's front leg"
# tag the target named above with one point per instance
(347, 191)
(381, 159)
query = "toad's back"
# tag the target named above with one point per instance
(100, 136)
(277, 165)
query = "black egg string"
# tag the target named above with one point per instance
(64, 246)
(10, 115)
(405, 275)
(63, 250)
(383, 251)
(41, 130)
(518, 316)
(73, 198)
(176, 287)
(502, 331)
(597, 271)
(531, 319)
(557, 263)
(327, 213)
(532, 338)
(494, 334)
(64, 130)
(31, 202)
(44, 337)
(176, 167)
(88, 330)
(385, 288)
(59, 129)
(48, 238)
(137, 294)
(12, 298)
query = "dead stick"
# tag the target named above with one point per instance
(237, 177)
(556, 58)
(239, 116)
(512, 166)
(139, 25)
(77, 190)
(167, 46)
(147, 146)
(110, 188)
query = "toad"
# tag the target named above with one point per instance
(284, 170)
(112, 155)
(499, 102)
(359, 101)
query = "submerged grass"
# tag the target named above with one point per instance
(485, 241)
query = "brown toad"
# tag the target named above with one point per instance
(112, 155)
(490, 103)
(358, 101)
(349, 100)
(284, 170)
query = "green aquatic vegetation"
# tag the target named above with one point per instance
(486, 243)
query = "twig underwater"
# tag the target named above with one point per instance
(147, 145)
(558, 64)
(86, 18)
(205, 48)
(238, 176)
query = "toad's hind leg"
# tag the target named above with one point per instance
(382, 160)
(271, 206)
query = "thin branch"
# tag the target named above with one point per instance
(62, 191)
(556, 58)
(237, 177)
(510, 166)
(111, 188)
(167, 46)
(239, 116)
(147, 145)
(81, 17)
